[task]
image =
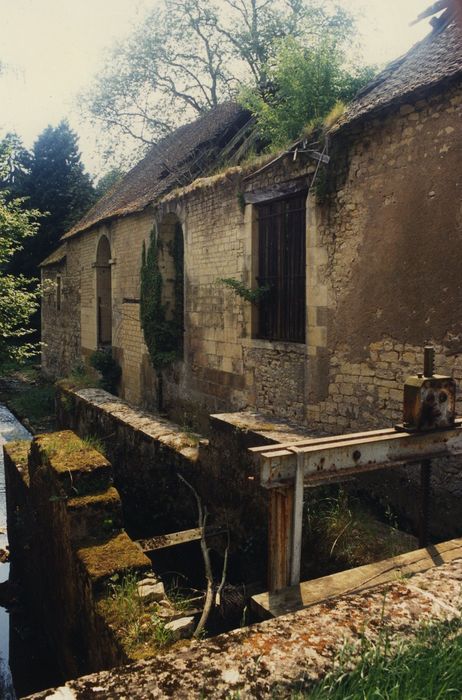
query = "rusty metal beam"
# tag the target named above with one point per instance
(327, 459)
(280, 537)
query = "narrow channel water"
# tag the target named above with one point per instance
(10, 429)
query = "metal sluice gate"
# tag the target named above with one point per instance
(429, 430)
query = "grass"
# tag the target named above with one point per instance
(429, 668)
(82, 377)
(93, 442)
(138, 625)
(31, 397)
(36, 404)
(340, 533)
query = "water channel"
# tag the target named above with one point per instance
(10, 429)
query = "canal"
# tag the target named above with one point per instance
(10, 429)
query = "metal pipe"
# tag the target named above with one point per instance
(429, 361)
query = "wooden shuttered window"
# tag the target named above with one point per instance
(281, 267)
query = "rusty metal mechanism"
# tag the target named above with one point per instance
(429, 399)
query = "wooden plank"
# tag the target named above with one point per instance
(176, 538)
(323, 461)
(267, 605)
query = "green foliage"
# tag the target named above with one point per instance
(306, 80)
(344, 533)
(95, 443)
(428, 667)
(108, 367)
(163, 335)
(36, 403)
(18, 299)
(188, 56)
(53, 181)
(141, 630)
(81, 377)
(251, 295)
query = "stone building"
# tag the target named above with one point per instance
(357, 260)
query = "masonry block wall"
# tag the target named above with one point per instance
(391, 231)
(383, 247)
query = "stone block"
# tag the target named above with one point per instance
(150, 590)
(181, 628)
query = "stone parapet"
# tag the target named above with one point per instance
(280, 656)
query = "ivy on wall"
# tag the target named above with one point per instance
(163, 334)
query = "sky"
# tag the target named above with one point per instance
(54, 48)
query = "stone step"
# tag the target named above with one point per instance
(116, 555)
(95, 515)
(77, 469)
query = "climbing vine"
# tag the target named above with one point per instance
(163, 335)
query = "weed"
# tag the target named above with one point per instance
(81, 377)
(93, 442)
(108, 367)
(251, 295)
(428, 667)
(181, 598)
(341, 531)
(139, 627)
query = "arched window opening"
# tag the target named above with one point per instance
(170, 246)
(104, 292)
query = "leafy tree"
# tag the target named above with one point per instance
(189, 55)
(305, 82)
(57, 185)
(18, 300)
(16, 161)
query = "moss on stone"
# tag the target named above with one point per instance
(18, 453)
(108, 497)
(113, 556)
(66, 452)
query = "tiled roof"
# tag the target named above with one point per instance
(434, 60)
(56, 257)
(187, 153)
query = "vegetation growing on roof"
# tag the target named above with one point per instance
(305, 81)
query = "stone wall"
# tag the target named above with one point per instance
(286, 656)
(66, 541)
(60, 320)
(390, 228)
